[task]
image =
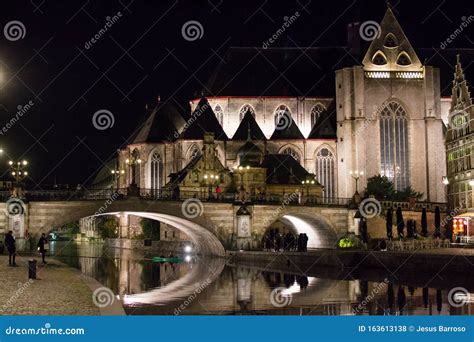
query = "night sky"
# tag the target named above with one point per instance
(143, 55)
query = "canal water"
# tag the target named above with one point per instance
(200, 286)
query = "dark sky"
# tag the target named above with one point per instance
(144, 54)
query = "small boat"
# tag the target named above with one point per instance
(163, 259)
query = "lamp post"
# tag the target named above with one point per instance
(132, 161)
(18, 171)
(117, 174)
(211, 180)
(306, 184)
(356, 175)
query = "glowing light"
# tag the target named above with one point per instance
(302, 226)
(188, 249)
(187, 258)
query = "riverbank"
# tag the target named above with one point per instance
(438, 268)
(58, 290)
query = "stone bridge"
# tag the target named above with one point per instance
(211, 226)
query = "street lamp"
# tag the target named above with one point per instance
(131, 162)
(117, 174)
(356, 175)
(18, 170)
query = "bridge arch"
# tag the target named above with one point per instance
(46, 215)
(320, 231)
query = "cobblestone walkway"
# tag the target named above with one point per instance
(59, 290)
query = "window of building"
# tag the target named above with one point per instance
(390, 40)
(219, 114)
(394, 144)
(244, 109)
(325, 171)
(379, 59)
(290, 151)
(315, 113)
(156, 171)
(281, 112)
(403, 59)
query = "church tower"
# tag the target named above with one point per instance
(389, 117)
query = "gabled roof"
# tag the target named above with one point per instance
(248, 129)
(460, 97)
(177, 177)
(162, 124)
(203, 120)
(286, 129)
(325, 126)
(284, 169)
(390, 43)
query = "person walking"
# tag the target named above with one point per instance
(305, 242)
(43, 247)
(10, 243)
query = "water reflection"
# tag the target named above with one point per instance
(210, 287)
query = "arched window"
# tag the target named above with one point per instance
(244, 109)
(219, 114)
(390, 41)
(325, 171)
(194, 151)
(156, 171)
(281, 112)
(403, 59)
(394, 144)
(379, 58)
(290, 151)
(316, 112)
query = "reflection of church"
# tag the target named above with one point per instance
(383, 116)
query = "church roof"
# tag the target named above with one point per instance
(104, 178)
(247, 124)
(286, 129)
(203, 120)
(279, 71)
(162, 124)
(249, 154)
(391, 45)
(325, 126)
(284, 169)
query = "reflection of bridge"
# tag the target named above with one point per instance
(211, 224)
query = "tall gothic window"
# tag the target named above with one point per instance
(316, 112)
(244, 109)
(290, 151)
(219, 114)
(325, 171)
(156, 171)
(280, 112)
(394, 144)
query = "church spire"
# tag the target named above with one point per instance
(460, 96)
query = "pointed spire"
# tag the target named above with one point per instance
(460, 96)
(390, 49)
